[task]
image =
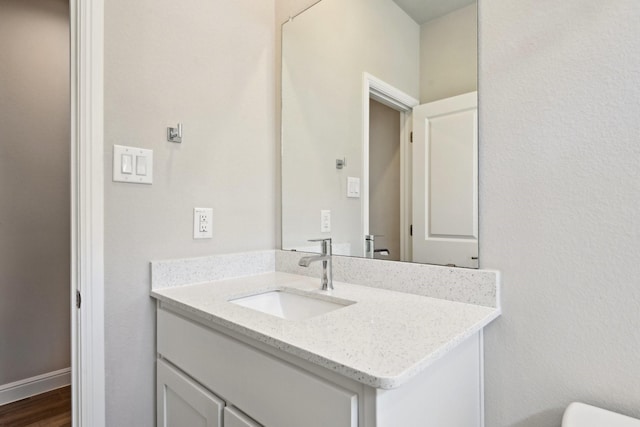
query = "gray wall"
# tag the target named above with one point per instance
(34, 188)
(448, 55)
(560, 205)
(210, 65)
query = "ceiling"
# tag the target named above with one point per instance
(425, 10)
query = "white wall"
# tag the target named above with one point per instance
(210, 65)
(327, 49)
(560, 205)
(34, 188)
(448, 55)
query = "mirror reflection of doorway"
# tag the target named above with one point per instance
(439, 218)
(384, 180)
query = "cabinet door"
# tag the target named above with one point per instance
(183, 402)
(235, 418)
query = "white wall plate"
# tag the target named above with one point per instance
(133, 165)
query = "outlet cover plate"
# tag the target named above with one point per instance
(325, 221)
(202, 223)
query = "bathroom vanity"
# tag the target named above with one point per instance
(403, 347)
(381, 358)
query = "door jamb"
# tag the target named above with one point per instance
(377, 89)
(87, 216)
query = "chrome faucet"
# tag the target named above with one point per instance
(325, 257)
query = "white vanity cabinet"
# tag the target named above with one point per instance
(271, 391)
(208, 375)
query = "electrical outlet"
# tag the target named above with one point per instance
(202, 226)
(325, 221)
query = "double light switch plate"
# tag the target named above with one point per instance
(133, 165)
(353, 187)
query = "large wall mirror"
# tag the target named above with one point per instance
(379, 130)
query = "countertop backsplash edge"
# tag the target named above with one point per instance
(188, 271)
(471, 286)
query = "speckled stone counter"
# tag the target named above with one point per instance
(466, 285)
(382, 340)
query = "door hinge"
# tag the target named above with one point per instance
(411, 230)
(411, 137)
(78, 299)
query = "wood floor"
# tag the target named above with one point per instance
(52, 409)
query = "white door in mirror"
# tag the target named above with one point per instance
(445, 181)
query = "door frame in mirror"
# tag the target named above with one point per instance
(381, 91)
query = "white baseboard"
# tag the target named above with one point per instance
(22, 389)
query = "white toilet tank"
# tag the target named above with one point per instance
(581, 415)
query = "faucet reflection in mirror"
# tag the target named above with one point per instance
(340, 100)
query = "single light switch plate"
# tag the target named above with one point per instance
(202, 223)
(325, 221)
(353, 187)
(133, 165)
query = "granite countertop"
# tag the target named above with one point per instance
(382, 340)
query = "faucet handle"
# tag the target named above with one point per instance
(326, 245)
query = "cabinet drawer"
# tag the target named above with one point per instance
(269, 390)
(183, 402)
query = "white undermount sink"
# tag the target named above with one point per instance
(291, 306)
